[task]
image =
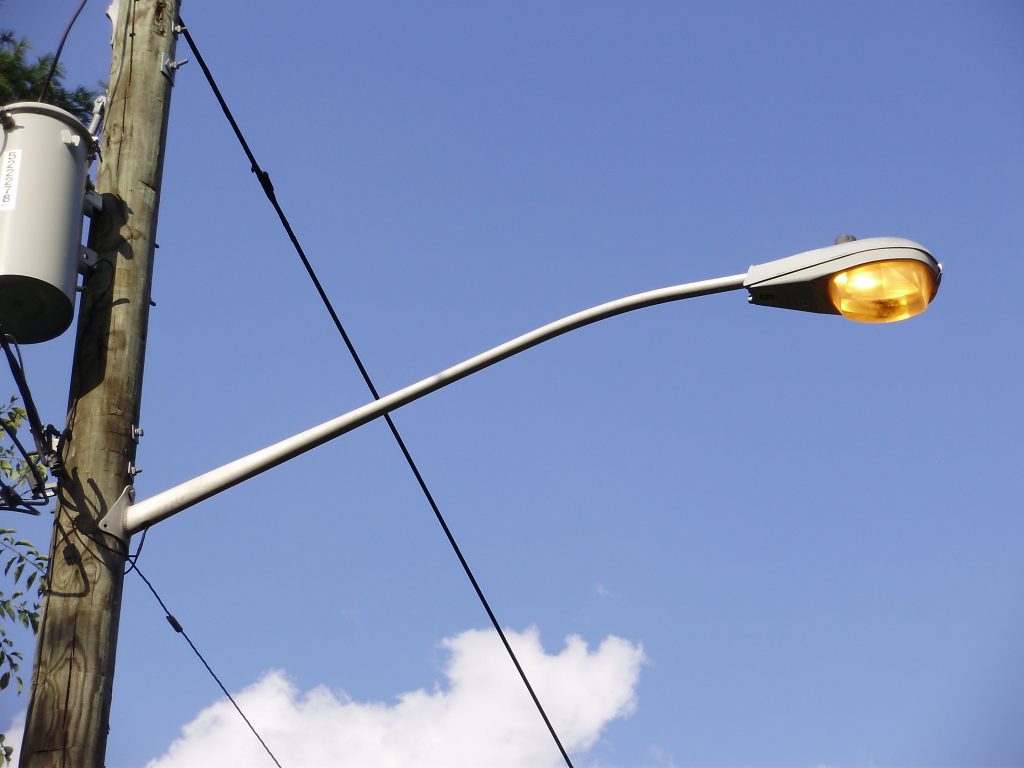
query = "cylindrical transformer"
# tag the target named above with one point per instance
(44, 157)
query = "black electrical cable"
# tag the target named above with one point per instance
(11, 501)
(176, 626)
(268, 189)
(35, 425)
(60, 48)
(18, 372)
(134, 559)
(40, 485)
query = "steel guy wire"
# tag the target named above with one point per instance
(176, 626)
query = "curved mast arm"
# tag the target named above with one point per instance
(150, 511)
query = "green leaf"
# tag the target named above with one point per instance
(5, 678)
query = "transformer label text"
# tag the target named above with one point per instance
(10, 165)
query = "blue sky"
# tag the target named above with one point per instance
(812, 528)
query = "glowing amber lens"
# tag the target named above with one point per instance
(883, 291)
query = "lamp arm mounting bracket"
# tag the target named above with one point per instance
(113, 522)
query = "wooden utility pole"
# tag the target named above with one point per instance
(72, 678)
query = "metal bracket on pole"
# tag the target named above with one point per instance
(113, 521)
(92, 203)
(87, 259)
(170, 66)
(99, 108)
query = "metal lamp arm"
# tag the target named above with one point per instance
(126, 519)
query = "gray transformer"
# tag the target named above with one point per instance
(44, 157)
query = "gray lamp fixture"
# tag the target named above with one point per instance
(877, 280)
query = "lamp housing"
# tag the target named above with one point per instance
(878, 279)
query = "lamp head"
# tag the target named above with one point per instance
(877, 280)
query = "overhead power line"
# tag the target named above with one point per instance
(56, 57)
(268, 188)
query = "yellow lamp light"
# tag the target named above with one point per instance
(877, 280)
(883, 291)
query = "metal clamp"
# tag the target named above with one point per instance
(99, 108)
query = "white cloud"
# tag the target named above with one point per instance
(481, 715)
(13, 734)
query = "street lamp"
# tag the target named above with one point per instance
(875, 280)
(879, 280)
